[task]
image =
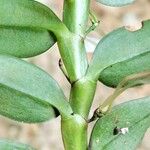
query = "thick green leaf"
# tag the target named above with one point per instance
(24, 42)
(10, 145)
(28, 13)
(27, 93)
(134, 115)
(116, 3)
(118, 46)
(114, 74)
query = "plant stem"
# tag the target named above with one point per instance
(74, 130)
(74, 133)
(72, 49)
(81, 97)
(73, 54)
(71, 44)
(75, 15)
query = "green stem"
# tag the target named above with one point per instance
(81, 97)
(74, 133)
(73, 54)
(72, 50)
(71, 43)
(76, 14)
(74, 130)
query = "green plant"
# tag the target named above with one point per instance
(28, 94)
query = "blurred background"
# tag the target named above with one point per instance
(47, 136)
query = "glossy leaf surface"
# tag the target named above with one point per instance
(24, 42)
(114, 74)
(27, 92)
(116, 3)
(10, 145)
(133, 115)
(120, 45)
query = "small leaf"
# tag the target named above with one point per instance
(28, 13)
(133, 115)
(118, 46)
(27, 93)
(116, 3)
(10, 145)
(114, 74)
(24, 42)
